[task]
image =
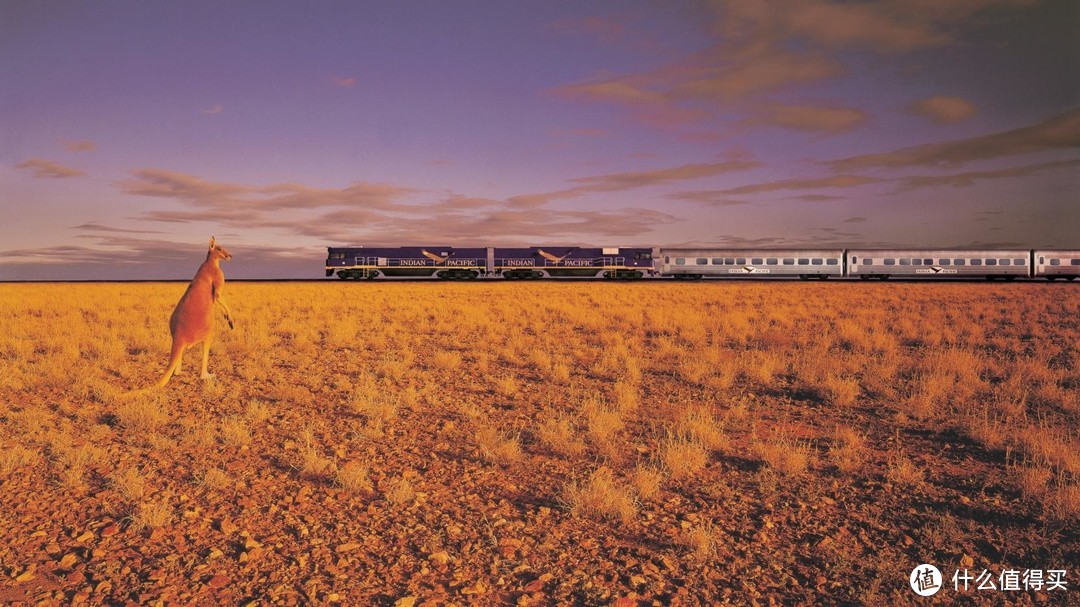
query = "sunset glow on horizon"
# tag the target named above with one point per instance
(132, 132)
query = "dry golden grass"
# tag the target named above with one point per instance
(454, 418)
(602, 496)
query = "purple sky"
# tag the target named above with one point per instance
(130, 132)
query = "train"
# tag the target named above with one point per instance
(632, 263)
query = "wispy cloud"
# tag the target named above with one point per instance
(764, 49)
(214, 109)
(1056, 133)
(83, 145)
(344, 82)
(969, 178)
(810, 118)
(48, 169)
(943, 110)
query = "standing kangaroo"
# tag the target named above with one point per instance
(193, 319)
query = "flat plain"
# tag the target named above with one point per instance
(540, 444)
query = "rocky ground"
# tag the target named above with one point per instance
(535, 444)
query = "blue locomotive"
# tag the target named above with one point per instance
(450, 263)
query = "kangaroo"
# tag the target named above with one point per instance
(193, 319)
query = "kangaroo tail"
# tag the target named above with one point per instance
(174, 362)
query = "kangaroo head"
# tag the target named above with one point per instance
(218, 251)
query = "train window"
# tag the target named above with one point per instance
(817, 261)
(717, 261)
(943, 262)
(928, 262)
(832, 262)
(1005, 262)
(680, 261)
(976, 262)
(804, 261)
(1019, 261)
(729, 261)
(991, 262)
(789, 261)
(904, 261)
(337, 256)
(1074, 262)
(889, 261)
(916, 262)
(958, 262)
(757, 261)
(642, 256)
(702, 261)
(854, 260)
(741, 261)
(771, 261)
(1055, 261)
(667, 258)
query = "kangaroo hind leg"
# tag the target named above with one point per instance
(205, 359)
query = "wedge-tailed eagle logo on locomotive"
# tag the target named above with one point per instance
(438, 259)
(555, 259)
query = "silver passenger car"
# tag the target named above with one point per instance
(938, 263)
(752, 263)
(1052, 265)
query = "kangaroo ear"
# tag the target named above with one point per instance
(211, 242)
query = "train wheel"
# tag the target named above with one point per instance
(1010, 278)
(1071, 278)
(823, 276)
(864, 276)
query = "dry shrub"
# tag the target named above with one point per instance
(214, 478)
(142, 416)
(498, 448)
(848, 449)
(353, 477)
(1032, 480)
(700, 541)
(700, 424)
(16, 457)
(447, 360)
(130, 483)
(646, 481)
(603, 423)
(902, 471)
(557, 433)
(682, 456)
(234, 431)
(787, 456)
(507, 385)
(1064, 502)
(151, 515)
(74, 463)
(601, 497)
(841, 391)
(400, 492)
(257, 411)
(377, 407)
(626, 396)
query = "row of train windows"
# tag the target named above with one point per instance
(757, 261)
(960, 261)
(1054, 261)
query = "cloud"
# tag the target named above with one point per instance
(79, 146)
(47, 169)
(959, 180)
(1056, 133)
(820, 119)
(344, 82)
(96, 227)
(621, 182)
(763, 49)
(943, 110)
(215, 109)
(834, 181)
